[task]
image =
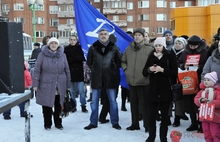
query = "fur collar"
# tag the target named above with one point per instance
(47, 52)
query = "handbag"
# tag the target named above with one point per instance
(177, 89)
(190, 82)
(68, 105)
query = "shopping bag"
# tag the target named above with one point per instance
(206, 111)
(190, 82)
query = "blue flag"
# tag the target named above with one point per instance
(88, 23)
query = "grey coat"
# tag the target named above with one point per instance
(212, 64)
(51, 71)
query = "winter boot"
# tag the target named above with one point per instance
(194, 125)
(163, 133)
(84, 109)
(199, 127)
(123, 100)
(176, 122)
(90, 98)
(152, 134)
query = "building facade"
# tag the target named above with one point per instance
(56, 17)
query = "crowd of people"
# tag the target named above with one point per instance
(151, 66)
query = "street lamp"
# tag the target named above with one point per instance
(32, 4)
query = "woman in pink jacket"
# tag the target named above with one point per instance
(210, 93)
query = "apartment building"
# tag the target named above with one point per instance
(56, 17)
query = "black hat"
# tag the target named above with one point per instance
(184, 36)
(194, 40)
(36, 44)
(139, 30)
(216, 37)
(113, 38)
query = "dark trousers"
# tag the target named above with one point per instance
(105, 105)
(153, 109)
(124, 94)
(138, 95)
(48, 112)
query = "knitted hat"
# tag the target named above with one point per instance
(182, 40)
(161, 41)
(53, 39)
(26, 64)
(194, 40)
(167, 32)
(139, 30)
(212, 76)
(216, 37)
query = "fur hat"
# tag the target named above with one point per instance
(212, 76)
(194, 40)
(139, 30)
(53, 39)
(167, 32)
(182, 40)
(161, 41)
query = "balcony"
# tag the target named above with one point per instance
(114, 11)
(66, 27)
(65, 2)
(120, 23)
(65, 14)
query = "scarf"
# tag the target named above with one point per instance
(158, 55)
(210, 92)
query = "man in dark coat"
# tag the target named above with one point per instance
(36, 50)
(75, 58)
(104, 60)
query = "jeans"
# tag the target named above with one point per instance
(80, 88)
(95, 106)
(21, 106)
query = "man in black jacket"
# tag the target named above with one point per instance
(104, 60)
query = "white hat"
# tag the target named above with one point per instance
(53, 39)
(161, 41)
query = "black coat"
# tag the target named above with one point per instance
(104, 66)
(75, 58)
(159, 83)
(35, 53)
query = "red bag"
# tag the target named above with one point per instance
(190, 82)
(206, 111)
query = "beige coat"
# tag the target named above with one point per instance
(133, 61)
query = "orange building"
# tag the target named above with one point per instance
(203, 21)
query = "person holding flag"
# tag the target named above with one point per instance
(104, 59)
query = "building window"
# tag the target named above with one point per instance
(19, 19)
(130, 29)
(130, 18)
(5, 8)
(161, 17)
(18, 6)
(40, 34)
(205, 2)
(146, 29)
(53, 9)
(143, 17)
(65, 33)
(217, 1)
(66, 8)
(187, 3)
(39, 20)
(130, 5)
(160, 30)
(143, 4)
(96, 0)
(115, 18)
(161, 3)
(54, 34)
(53, 22)
(69, 21)
(172, 4)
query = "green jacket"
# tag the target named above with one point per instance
(133, 61)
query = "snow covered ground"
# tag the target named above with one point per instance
(13, 130)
